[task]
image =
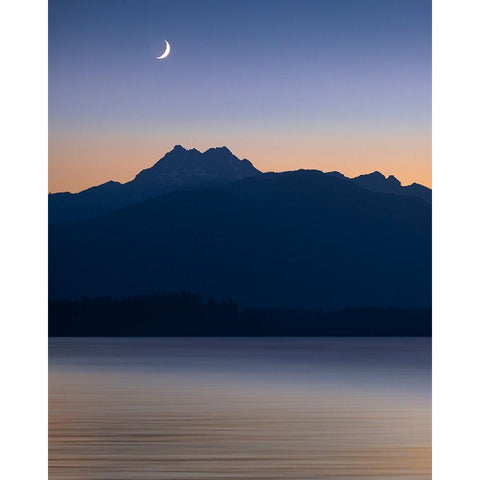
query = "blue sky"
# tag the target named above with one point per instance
(336, 84)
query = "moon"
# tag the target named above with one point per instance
(165, 53)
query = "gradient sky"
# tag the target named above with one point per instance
(329, 84)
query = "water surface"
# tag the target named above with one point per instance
(238, 408)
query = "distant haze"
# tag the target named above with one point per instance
(326, 84)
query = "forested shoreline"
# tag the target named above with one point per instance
(187, 314)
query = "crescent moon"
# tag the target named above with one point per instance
(165, 53)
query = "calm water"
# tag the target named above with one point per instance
(240, 408)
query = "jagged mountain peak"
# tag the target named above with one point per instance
(222, 150)
(217, 162)
(376, 179)
(393, 179)
(182, 168)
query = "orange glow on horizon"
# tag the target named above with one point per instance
(76, 165)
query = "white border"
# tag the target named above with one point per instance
(23, 252)
(456, 239)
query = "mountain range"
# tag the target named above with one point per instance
(213, 224)
(180, 169)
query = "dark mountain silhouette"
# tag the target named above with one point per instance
(301, 239)
(178, 169)
(183, 169)
(377, 182)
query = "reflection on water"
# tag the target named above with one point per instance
(229, 408)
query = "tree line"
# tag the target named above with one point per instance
(188, 314)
